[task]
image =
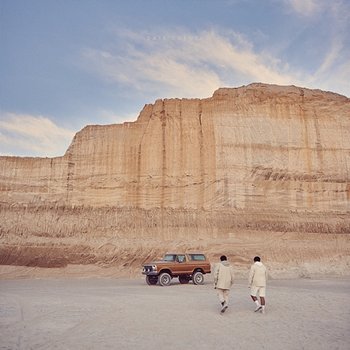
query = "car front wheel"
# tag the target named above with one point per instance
(198, 278)
(151, 280)
(164, 279)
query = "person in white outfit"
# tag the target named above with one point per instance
(223, 281)
(257, 284)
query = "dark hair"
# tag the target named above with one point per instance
(223, 258)
(257, 258)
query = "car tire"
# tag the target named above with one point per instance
(164, 279)
(152, 280)
(184, 279)
(198, 278)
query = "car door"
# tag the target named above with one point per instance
(182, 264)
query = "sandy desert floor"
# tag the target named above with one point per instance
(107, 313)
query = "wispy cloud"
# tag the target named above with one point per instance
(306, 7)
(331, 57)
(184, 64)
(333, 73)
(29, 135)
(338, 9)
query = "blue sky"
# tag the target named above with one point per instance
(69, 63)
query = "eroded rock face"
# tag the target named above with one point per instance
(260, 157)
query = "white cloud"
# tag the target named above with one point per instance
(305, 7)
(184, 64)
(331, 57)
(154, 72)
(180, 63)
(333, 72)
(338, 9)
(335, 79)
(28, 135)
(235, 55)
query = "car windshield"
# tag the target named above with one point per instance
(169, 257)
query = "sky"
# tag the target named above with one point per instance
(71, 63)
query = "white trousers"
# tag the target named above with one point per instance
(223, 295)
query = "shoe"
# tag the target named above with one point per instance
(224, 307)
(258, 308)
(262, 310)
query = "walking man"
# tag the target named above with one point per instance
(223, 281)
(257, 284)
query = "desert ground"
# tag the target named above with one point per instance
(121, 313)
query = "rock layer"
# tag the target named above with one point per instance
(260, 158)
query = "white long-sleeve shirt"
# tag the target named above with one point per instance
(258, 275)
(223, 275)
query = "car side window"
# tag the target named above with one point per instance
(181, 258)
(197, 257)
(169, 257)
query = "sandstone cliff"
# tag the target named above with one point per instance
(259, 158)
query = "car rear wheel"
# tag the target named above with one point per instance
(198, 278)
(151, 280)
(164, 279)
(184, 279)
